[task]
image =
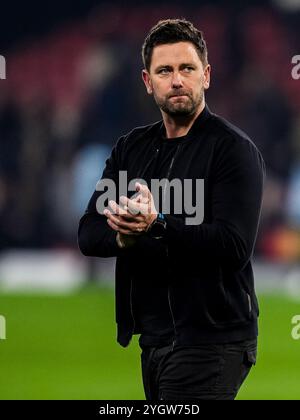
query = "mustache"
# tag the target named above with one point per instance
(179, 93)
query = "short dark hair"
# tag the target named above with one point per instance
(170, 31)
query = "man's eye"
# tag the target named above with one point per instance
(164, 71)
(188, 69)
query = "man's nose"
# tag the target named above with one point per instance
(176, 80)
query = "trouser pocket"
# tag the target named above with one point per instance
(250, 357)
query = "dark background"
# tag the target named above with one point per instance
(73, 87)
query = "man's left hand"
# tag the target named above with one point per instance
(137, 214)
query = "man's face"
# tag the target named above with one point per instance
(177, 78)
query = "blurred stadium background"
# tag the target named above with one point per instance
(73, 87)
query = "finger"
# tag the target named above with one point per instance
(143, 189)
(136, 197)
(121, 223)
(139, 198)
(133, 206)
(139, 208)
(129, 206)
(143, 199)
(117, 221)
(125, 200)
(106, 212)
(132, 218)
(116, 209)
(147, 198)
(112, 225)
(144, 207)
(121, 230)
(127, 216)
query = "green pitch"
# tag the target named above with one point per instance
(63, 347)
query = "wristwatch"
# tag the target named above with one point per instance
(158, 227)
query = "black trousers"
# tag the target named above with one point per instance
(203, 372)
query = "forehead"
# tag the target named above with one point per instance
(174, 54)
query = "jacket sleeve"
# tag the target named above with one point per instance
(237, 188)
(95, 237)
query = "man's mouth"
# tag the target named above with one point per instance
(178, 96)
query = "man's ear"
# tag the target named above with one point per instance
(147, 81)
(207, 71)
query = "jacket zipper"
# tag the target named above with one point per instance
(149, 162)
(167, 249)
(131, 282)
(131, 306)
(167, 252)
(171, 311)
(169, 170)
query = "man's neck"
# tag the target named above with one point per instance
(179, 126)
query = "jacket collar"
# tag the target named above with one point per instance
(197, 125)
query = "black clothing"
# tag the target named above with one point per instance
(195, 285)
(205, 372)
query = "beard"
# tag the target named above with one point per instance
(184, 106)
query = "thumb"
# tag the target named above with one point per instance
(143, 189)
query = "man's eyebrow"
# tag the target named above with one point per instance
(168, 67)
(187, 65)
(163, 66)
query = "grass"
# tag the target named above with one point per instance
(277, 373)
(64, 347)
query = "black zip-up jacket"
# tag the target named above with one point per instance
(197, 280)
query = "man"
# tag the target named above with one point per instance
(187, 288)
